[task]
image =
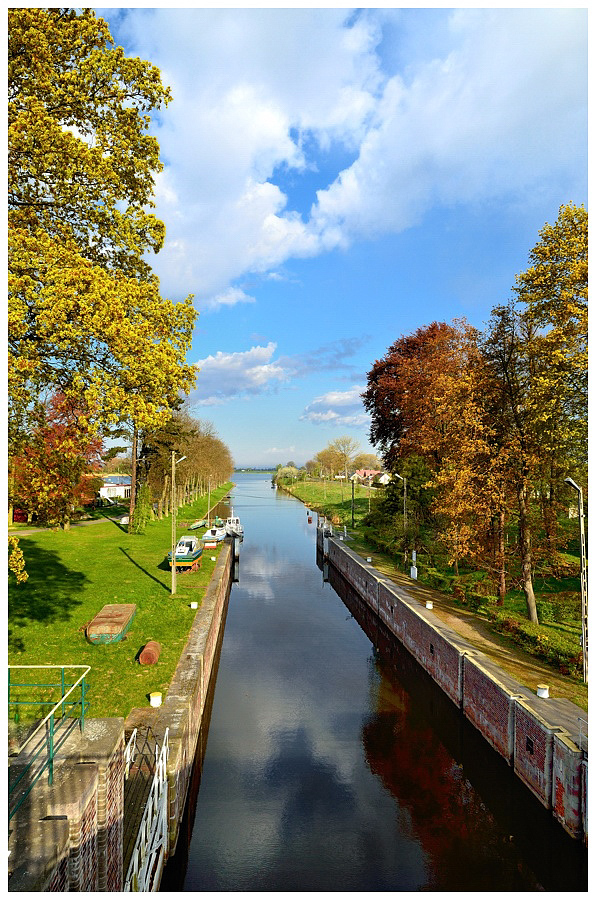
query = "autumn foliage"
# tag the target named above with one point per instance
(499, 418)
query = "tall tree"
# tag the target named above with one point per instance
(85, 313)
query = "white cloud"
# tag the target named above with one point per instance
(230, 297)
(337, 408)
(495, 109)
(227, 375)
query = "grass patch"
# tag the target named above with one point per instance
(73, 573)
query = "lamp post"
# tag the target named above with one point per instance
(174, 511)
(583, 579)
(405, 481)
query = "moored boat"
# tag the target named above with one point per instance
(199, 523)
(215, 533)
(187, 554)
(234, 526)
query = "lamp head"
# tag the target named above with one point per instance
(572, 484)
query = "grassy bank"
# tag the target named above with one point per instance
(555, 642)
(72, 574)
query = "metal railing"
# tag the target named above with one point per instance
(151, 844)
(583, 733)
(48, 735)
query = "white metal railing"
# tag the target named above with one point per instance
(129, 752)
(148, 855)
(583, 733)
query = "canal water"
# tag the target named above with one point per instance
(333, 762)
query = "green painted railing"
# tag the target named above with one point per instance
(49, 734)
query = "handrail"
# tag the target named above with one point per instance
(56, 705)
(51, 730)
(583, 733)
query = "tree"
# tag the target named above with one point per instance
(400, 393)
(366, 461)
(85, 313)
(49, 472)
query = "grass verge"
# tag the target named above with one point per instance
(73, 573)
(555, 642)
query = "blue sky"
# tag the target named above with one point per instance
(337, 178)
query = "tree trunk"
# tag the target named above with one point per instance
(501, 558)
(526, 550)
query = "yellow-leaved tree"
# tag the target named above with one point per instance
(85, 312)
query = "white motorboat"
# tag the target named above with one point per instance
(234, 527)
(215, 533)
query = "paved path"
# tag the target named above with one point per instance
(523, 667)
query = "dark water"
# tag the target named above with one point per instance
(333, 762)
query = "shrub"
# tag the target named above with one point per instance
(561, 650)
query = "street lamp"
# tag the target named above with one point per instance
(583, 579)
(174, 511)
(405, 481)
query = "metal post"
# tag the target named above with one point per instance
(173, 588)
(583, 578)
(51, 749)
(352, 504)
(83, 705)
(63, 690)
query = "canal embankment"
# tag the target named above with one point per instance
(70, 835)
(544, 739)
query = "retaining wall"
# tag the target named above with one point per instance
(544, 753)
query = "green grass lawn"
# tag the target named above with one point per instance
(73, 573)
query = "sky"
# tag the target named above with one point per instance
(337, 178)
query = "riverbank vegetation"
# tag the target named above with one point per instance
(554, 640)
(73, 574)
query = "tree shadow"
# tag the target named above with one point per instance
(114, 522)
(49, 594)
(148, 574)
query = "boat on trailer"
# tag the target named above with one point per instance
(187, 554)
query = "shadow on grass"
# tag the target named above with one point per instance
(49, 595)
(148, 574)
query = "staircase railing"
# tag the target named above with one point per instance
(48, 735)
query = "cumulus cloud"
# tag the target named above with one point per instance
(337, 408)
(228, 375)
(496, 108)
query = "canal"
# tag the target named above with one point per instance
(333, 762)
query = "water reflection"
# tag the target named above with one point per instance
(336, 765)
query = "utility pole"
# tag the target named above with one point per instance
(133, 480)
(174, 511)
(352, 503)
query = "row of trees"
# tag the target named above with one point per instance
(486, 425)
(340, 457)
(93, 347)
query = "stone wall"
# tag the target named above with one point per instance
(538, 737)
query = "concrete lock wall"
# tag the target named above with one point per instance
(543, 754)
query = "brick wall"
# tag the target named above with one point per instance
(544, 756)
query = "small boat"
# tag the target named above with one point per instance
(234, 526)
(200, 523)
(111, 623)
(188, 552)
(218, 522)
(216, 533)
